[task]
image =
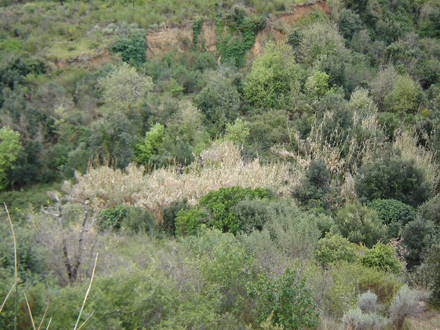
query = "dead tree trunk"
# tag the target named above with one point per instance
(72, 260)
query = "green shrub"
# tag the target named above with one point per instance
(170, 213)
(252, 214)
(112, 218)
(132, 48)
(418, 236)
(431, 271)
(391, 177)
(287, 233)
(393, 213)
(151, 143)
(294, 37)
(125, 299)
(383, 284)
(295, 232)
(359, 224)
(383, 257)
(430, 210)
(349, 280)
(220, 206)
(219, 101)
(333, 248)
(287, 297)
(227, 267)
(315, 184)
(139, 220)
(188, 221)
(126, 218)
(349, 23)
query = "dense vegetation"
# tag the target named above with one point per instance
(283, 174)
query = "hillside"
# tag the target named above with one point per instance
(260, 165)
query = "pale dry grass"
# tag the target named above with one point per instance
(341, 163)
(423, 158)
(315, 146)
(219, 166)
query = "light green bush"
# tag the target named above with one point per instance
(383, 257)
(333, 248)
(359, 224)
(287, 297)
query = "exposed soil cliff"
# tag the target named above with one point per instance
(165, 39)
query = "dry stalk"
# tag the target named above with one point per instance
(85, 298)
(30, 312)
(15, 259)
(44, 316)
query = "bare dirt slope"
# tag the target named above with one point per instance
(180, 38)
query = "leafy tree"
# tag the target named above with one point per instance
(389, 30)
(237, 132)
(294, 37)
(382, 85)
(396, 92)
(10, 147)
(187, 124)
(124, 86)
(358, 6)
(272, 76)
(317, 85)
(405, 95)
(320, 39)
(429, 24)
(219, 101)
(349, 23)
(111, 139)
(152, 141)
(323, 48)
